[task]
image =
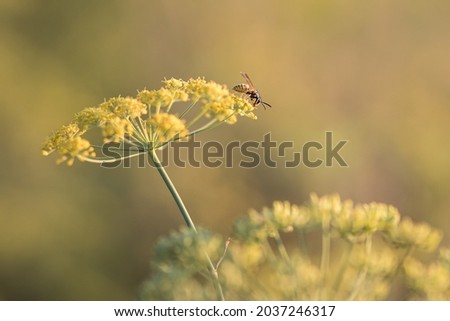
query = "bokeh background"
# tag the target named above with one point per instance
(375, 73)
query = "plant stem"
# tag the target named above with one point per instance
(173, 190)
(341, 270)
(186, 217)
(362, 273)
(400, 263)
(281, 248)
(325, 259)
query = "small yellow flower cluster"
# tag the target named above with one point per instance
(283, 216)
(409, 234)
(169, 127)
(380, 262)
(67, 141)
(163, 97)
(431, 281)
(146, 121)
(355, 224)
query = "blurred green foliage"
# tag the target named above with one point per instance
(376, 73)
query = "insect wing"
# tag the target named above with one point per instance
(247, 79)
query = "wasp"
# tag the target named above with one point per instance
(250, 91)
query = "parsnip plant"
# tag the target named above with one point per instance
(364, 248)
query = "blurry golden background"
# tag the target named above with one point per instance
(375, 73)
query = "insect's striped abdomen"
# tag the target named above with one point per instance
(241, 88)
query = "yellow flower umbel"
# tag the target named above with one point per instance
(274, 255)
(147, 121)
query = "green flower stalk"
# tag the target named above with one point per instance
(146, 124)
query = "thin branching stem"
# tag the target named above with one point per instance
(109, 160)
(138, 132)
(199, 116)
(359, 283)
(227, 243)
(325, 259)
(344, 263)
(280, 247)
(188, 109)
(407, 253)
